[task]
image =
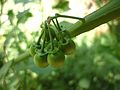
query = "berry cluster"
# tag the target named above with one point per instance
(53, 44)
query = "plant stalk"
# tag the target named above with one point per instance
(106, 13)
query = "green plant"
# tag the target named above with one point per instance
(81, 71)
(55, 43)
(106, 13)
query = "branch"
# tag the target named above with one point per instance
(106, 13)
(22, 57)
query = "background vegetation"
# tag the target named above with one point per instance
(94, 65)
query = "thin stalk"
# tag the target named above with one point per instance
(43, 45)
(55, 24)
(58, 29)
(38, 42)
(58, 24)
(51, 38)
(66, 16)
(55, 31)
(61, 35)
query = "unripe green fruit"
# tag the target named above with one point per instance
(40, 60)
(69, 47)
(56, 60)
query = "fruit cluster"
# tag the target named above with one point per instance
(52, 52)
(53, 44)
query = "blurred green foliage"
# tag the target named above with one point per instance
(94, 67)
(61, 5)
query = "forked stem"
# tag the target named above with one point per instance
(66, 16)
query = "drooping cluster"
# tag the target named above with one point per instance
(52, 46)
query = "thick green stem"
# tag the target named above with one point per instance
(106, 13)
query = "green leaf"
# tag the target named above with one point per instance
(10, 16)
(62, 5)
(23, 16)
